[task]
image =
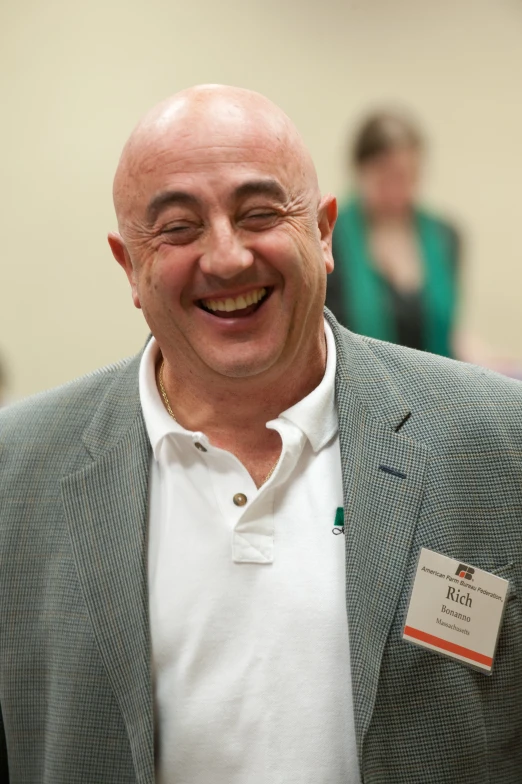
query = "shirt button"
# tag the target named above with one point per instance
(200, 447)
(240, 499)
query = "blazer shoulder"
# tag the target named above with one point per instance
(441, 396)
(454, 404)
(438, 377)
(65, 410)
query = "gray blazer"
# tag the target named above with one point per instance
(75, 675)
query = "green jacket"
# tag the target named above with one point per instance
(363, 300)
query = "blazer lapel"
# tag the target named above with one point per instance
(106, 508)
(383, 476)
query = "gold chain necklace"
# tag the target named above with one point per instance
(163, 392)
(171, 412)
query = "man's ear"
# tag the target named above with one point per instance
(120, 253)
(327, 215)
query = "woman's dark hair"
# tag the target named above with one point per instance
(383, 132)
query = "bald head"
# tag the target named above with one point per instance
(188, 128)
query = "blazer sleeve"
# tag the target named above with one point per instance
(4, 768)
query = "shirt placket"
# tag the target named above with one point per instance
(248, 511)
(253, 537)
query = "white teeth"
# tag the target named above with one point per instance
(239, 303)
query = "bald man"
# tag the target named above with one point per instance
(222, 561)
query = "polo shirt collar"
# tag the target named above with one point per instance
(315, 415)
(158, 421)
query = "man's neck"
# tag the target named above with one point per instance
(226, 409)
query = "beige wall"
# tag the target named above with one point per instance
(76, 76)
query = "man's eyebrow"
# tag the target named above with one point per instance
(261, 188)
(250, 188)
(169, 199)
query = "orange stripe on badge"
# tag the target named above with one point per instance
(438, 642)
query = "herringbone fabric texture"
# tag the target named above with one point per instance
(75, 681)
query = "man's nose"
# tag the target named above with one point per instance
(224, 254)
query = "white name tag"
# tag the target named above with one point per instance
(456, 610)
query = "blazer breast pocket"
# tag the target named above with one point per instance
(454, 594)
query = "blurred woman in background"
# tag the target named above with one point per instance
(396, 265)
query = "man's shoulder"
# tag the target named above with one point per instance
(433, 378)
(442, 394)
(69, 407)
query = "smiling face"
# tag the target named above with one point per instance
(224, 238)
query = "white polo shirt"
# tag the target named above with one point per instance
(250, 652)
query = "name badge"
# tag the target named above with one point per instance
(456, 610)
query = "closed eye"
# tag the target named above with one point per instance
(258, 220)
(181, 234)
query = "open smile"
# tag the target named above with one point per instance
(236, 307)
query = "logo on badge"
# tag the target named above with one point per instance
(465, 572)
